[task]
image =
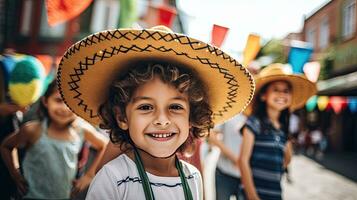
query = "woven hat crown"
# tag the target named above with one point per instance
(273, 70)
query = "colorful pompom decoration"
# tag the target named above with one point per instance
(26, 81)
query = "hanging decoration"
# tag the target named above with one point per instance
(322, 102)
(338, 103)
(251, 49)
(300, 52)
(7, 64)
(352, 104)
(311, 103)
(218, 35)
(26, 81)
(59, 11)
(312, 71)
(166, 15)
(128, 13)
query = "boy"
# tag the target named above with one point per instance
(156, 92)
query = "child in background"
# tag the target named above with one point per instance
(227, 137)
(52, 147)
(266, 150)
(156, 92)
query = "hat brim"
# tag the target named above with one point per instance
(302, 89)
(89, 67)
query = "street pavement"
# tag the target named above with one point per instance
(310, 180)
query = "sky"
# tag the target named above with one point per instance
(267, 18)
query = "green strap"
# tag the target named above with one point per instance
(185, 186)
(145, 179)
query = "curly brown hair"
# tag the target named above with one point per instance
(140, 72)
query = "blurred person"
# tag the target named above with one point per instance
(294, 130)
(227, 137)
(266, 150)
(52, 146)
(318, 143)
(9, 122)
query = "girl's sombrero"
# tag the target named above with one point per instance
(89, 67)
(302, 88)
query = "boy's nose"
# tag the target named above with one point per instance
(162, 120)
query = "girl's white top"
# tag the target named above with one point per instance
(119, 179)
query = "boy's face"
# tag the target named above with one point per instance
(158, 118)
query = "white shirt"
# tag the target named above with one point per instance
(119, 179)
(232, 139)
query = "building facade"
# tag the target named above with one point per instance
(331, 30)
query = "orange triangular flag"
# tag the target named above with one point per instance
(59, 11)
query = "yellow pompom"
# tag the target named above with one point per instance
(25, 94)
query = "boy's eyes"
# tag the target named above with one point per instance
(176, 107)
(145, 107)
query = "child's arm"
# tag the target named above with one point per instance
(213, 139)
(111, 151)
(8, 109)
(288, 152)
(23, 138)
(244, 166)
(98, 142)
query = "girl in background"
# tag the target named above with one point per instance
(266, 151)
(52, 146)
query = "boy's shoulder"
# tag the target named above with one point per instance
(190, 170)
(120, 162)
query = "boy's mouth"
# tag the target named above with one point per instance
(161, 136)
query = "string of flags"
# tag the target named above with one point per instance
(335, 103)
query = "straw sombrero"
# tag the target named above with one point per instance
(302, 88)
(89, 66)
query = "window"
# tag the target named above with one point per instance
(324, 33)
(26, 17)
(310, 37)
(47, 31)
(349, 18)
(105, 15)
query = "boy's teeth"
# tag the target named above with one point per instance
(162, 135)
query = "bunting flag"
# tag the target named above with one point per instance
(59, 11)
(300, 52)
(312, 71)
(338, 103)
(251, 49)
(166, 15)
(128, 13)
(322, 102)
(311, 104)
(218, 35)
(352, 104)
